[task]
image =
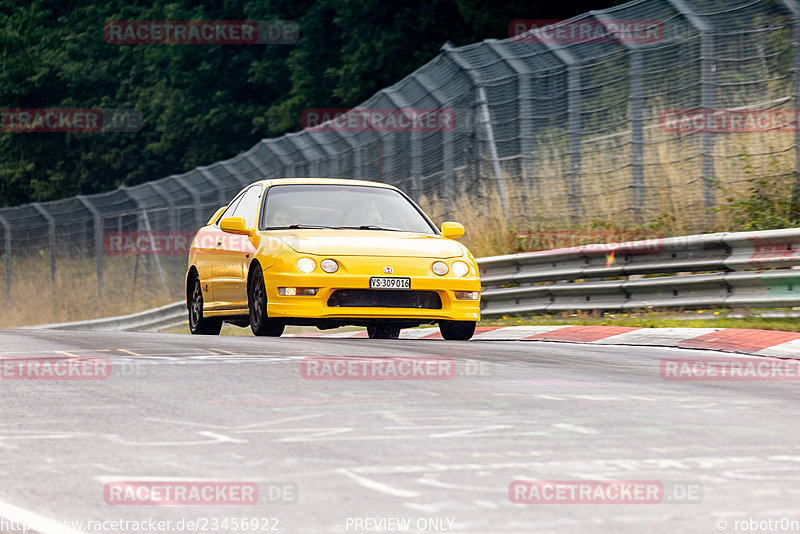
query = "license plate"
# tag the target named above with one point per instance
(384, 282)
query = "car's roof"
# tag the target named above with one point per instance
(328, 181)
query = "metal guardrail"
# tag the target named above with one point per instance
(741, 269)
(153, 320)
(724, 270)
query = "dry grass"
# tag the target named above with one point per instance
(673, 201)
(34, 300)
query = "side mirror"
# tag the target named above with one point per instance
(216, 214)
(452, 230)
(234, 225)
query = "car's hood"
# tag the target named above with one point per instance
(368, 243)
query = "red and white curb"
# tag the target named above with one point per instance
(746, 341)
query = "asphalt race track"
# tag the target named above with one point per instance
(433, 455)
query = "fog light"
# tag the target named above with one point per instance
(306, 265)
(329, 266)
(439, 267)
(467, 295)
(460, 268)
(297, 291)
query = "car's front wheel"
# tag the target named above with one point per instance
(260, 323)
(383, 332)
(457, 330)
(197, 323)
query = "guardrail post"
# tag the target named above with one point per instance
(7, 232)
(484, 118)
(51, 234)
(98, 240)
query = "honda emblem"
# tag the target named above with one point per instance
(388, 270)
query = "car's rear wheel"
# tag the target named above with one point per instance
(197, 323)
(457, 330)
(260, 323)
(383, 332)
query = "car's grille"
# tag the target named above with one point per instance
(385, 298)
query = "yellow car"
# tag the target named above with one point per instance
(328, 253)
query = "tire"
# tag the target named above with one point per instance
(383, 332)
(457, 330)
(199, 325)
(260, 323)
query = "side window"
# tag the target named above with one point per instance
(229, 211)
(248, 207)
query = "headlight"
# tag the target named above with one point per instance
(460, 268)
(329, 266)
(439, 267)
(306, 265)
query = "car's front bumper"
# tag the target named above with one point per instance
(355, 273)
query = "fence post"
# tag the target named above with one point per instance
(208, 175)
(241, 178)
(401, 103)
(484, 118)
(794, 7)
(51, 234)
(7, 232)
(144, 221)
(574, 126)
(358, 166)
(331, 156)
(635, 75)
(525, 120)
(98, 240)
(199, 219)
(313, 162)
(448, 173)
(173, 223)
(286, 161)
(707, 92)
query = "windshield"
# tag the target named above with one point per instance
(341, 207)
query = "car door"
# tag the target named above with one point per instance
(233, 252)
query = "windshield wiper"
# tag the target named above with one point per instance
(369, 227)
(298, 226)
